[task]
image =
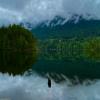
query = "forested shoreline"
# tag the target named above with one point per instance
(72, 48)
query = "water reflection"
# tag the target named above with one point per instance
(16, 61)
(83, 70)
(72, 58)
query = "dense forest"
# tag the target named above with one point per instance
(70, 29)
(71, 49)
(16, 38)
(17, 49)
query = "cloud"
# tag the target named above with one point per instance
(13, 4)
(34, 87)
(37, 11)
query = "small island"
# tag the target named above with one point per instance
(17, 49)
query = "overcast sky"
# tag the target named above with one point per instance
(36, 11)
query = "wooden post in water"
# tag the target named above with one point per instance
(49, 82)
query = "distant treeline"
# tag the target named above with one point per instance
(72, 49)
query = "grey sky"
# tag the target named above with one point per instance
(14, 4)
(36, 11)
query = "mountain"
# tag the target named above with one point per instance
(60, 28)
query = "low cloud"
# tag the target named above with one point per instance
(37, 11)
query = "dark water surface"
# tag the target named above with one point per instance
(19, 62)
(71, 69)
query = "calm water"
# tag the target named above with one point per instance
(71, 69)
(18, 62)
(33, 86)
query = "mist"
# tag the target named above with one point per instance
(37, 11)
(34, 87)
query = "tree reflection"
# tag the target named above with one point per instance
(17, 49)
(16, 62)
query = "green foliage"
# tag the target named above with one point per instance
(17, 49)
(72, 49)
(61, 49)
(16, 37)
(91, 48)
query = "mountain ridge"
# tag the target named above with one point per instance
(60, 28)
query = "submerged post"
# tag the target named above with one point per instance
(49, 82)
